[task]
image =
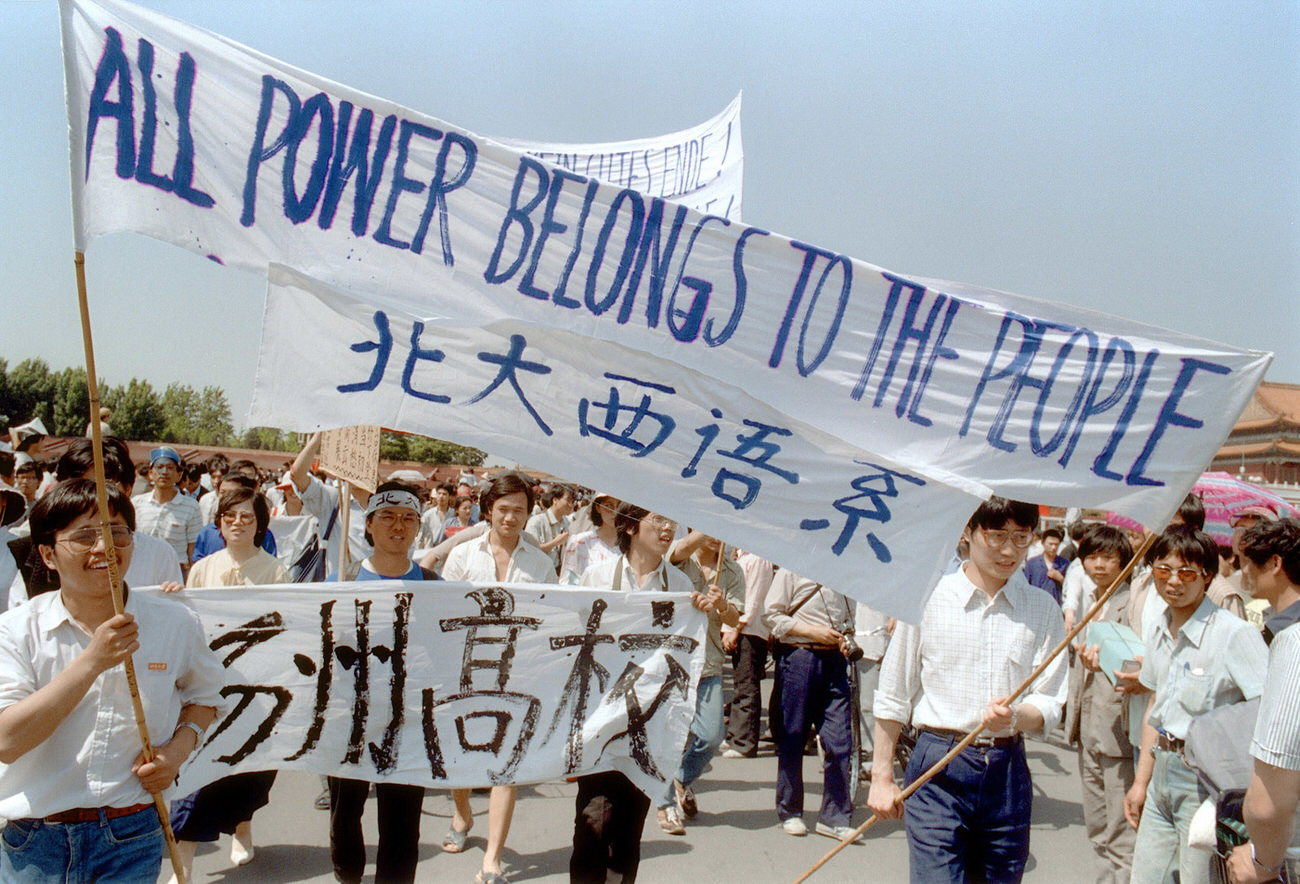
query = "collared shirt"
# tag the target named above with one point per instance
(87, 761)
(583, 551)
(546, 526)
(824, 607)
(1277, 729)
(665, 578)
(732, 582)
(758, 573)
(177, 521)
(970, 650)
(1077, 589)
(1216, 659)
(473, 560)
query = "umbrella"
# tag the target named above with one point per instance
(1223, 495)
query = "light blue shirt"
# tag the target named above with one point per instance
(1216, 659)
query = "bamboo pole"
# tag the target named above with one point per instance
(973, 735)
(110, 554)
(345, 515)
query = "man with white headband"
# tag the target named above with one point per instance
(392, 523)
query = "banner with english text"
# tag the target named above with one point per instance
(449, 684)
(188, 137)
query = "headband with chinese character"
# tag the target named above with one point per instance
(393, 497)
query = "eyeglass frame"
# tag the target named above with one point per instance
(991, 534)
(77, 540)
(1196, 573)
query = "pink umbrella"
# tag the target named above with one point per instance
(1225, 495)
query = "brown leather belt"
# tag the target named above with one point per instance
(979, 742)
(91, 814)
(1169, 744)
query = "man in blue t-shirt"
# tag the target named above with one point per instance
(392, 523)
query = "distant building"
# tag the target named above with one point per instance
(1264, 446)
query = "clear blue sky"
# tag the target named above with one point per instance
(1141, 159)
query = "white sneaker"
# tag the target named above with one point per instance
(794, 826)
(733, 753)
(839, 833)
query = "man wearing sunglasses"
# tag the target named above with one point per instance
(983, 632)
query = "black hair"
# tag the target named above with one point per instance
(502, 485)
(1192, 512)
(1054, 531)
(233, 498)
(28, 466)
(389, 486)
(1274, 537)
(79, 461)
(67, 501)
(194, 472)
(997, 511)
(627, 519)
(217, 462)
(558, 491)
(446, 486)
(238, 479)
(1191, 545)
(1104, 540)
(6, 464)
(1077, 529)
(596, 518)
(244, 468)
(546, 498)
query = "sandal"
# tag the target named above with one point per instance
(490, 878)
(454, 840)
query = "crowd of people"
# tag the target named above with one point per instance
(1201, 627)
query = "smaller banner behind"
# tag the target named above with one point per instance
(689, 446)
(416, 683)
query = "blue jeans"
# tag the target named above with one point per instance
(1173, 796)
(125, 850)
(812, 688)
(705, 736)
(971, 821)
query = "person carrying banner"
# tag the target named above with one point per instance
(228, 804)
(392, 521)
(1269, 552)
(610, 811)
(1198, 657)
(811, 625)
(498, 555)
(983, 631)
(74, 785)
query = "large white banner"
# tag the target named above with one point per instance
(685, 167)
(449, 684)
(183, 135)
(711, 455)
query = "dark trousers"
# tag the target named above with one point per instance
(745, 722)
(607, 828)
(971, 822)
(399, 830)
(814, 688)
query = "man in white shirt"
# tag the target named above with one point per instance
(982, 633)
(165, 512)
(322, 501)
(74, 786)
(551, 525)
(747, 644)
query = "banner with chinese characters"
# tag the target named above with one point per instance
(710, 455)
(417, 682)
(188, 137)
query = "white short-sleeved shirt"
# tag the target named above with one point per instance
(87, 761)
(178, 521)
(473, 560)
(1277, 729)
(1216, 659)
(322, 501)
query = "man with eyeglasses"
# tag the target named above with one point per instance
(983, 632)
(1198, 657)
(164, 512)
(73, 784)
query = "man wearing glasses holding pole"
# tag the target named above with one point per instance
(983, 632)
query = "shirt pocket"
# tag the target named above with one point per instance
(1195, 693)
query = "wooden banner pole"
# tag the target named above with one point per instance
(973, 735)
(110, 554)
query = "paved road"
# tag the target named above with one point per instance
(734, 839)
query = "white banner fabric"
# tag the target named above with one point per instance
(449, 684)
(182, 135)
(712, 456)
(685, 167)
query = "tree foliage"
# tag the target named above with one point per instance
(422, 449)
